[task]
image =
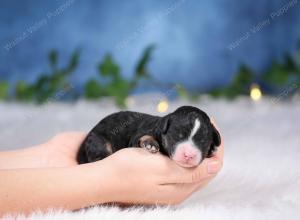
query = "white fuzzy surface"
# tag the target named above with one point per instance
(261, 174)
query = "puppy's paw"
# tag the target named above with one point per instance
(149, 143)
(150, 146)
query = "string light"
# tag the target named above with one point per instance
(129, 101)
(162, 106)
(255, 92)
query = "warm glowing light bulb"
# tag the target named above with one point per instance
(162, 106)
(129, 101)
(255, 92)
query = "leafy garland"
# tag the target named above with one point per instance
(277, 77)
(111, 83)
(117, 86)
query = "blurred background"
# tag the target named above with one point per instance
(152, 56)
(112, 48)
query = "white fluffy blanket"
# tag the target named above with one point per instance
(261, 174)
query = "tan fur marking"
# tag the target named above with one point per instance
(109, 148)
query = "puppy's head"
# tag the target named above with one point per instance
(188, 136)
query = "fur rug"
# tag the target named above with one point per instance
(261, 174)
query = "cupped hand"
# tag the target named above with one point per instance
(139, 177)
(61, 150)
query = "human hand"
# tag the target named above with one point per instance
(61, 150)
(138, 177)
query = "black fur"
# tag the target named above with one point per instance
(126, 129)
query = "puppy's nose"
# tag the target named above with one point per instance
(187, 155)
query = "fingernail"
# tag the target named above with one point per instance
(213, 167)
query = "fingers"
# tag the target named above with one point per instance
(189, 183)
(207, 169)
(165, 170)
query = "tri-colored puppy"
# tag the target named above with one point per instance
(187, 136)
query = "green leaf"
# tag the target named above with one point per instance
(289, 64)
(181, 91)
(216, 93)
(73, 62)
(229, 92)
(244, 77)
(141, 68)
(93, 90)
(3, 90)
(186, 94)
(47, 85)
(240, 84)
(119, 90)
(277, 74)
(232, 91)
(24, 92)
(108, 67)
(53, 57)
(42, 83)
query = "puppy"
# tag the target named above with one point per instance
(187, 136)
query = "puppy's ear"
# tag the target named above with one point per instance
(216, 136)
(165, 125)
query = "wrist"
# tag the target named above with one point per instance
(32, 157)
(100, 182)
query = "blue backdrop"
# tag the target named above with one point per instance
(199, 43)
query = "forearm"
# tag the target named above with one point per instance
(31, 157)
(26, 190)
